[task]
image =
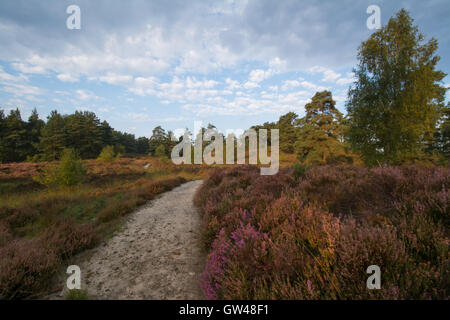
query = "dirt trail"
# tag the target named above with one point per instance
(157, 255)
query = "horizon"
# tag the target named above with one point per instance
(234, 64)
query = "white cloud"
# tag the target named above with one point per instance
(251, 85)
(6, 77)
(113, 78)
(64, 77)
(22, 90)
(278, 65)
(259, 75)
(85, 95)
(344, 81)
(192, 83)
(312, 86)
(232, 84)
(289, 84)
(26, 68)
(332, 76)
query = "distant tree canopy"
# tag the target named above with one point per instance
(162, 140)
(36, 139)
(396, 103)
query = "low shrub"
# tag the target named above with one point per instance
(26, 267)
(312, 235)
(70, 171)
(77, 294)
(107, 154)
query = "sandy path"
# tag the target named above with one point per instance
(156, 256)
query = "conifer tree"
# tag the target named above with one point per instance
(14, 140)
(320, 137)
(288, 131)
(53, 137)
(34, 127)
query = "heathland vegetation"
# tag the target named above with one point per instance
(311, 231)
(82, 203)
(311, 234)
(367, 188)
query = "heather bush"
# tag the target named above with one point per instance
(25, 268)
(27, 265)
(312, 235)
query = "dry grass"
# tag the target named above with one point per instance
(40, 227)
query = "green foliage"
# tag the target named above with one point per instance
(2, 134)
(299, 171)
(160, 151)
(119, 150)
(288, 132)
(53, 137)
(393, 107)
(320, 137)
(71, 168)
(85, 133)
(35, 139)
(142, 145)
(158, 138)
(76, 294)
(442, 136)
(70, 171)
(126, 140)
(14, 138)
(107, 154)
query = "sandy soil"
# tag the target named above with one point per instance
(157, 255)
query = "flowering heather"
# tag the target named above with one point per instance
(313, 237)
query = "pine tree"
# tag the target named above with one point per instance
(159, 137)
(320, 137)
(53, 137)
(2, 136)
(14, 140)
(107, 135)
(288, 132)
(393, 107)
(142, 145)
(34, 127)
(84, 133)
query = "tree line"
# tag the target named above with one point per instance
(37, 140)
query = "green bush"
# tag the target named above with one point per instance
(119, 150)
(299, 171)
(77, 294)
(107, 154)
(70, 171)
(160, 152)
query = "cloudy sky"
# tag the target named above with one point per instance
(235, 63)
